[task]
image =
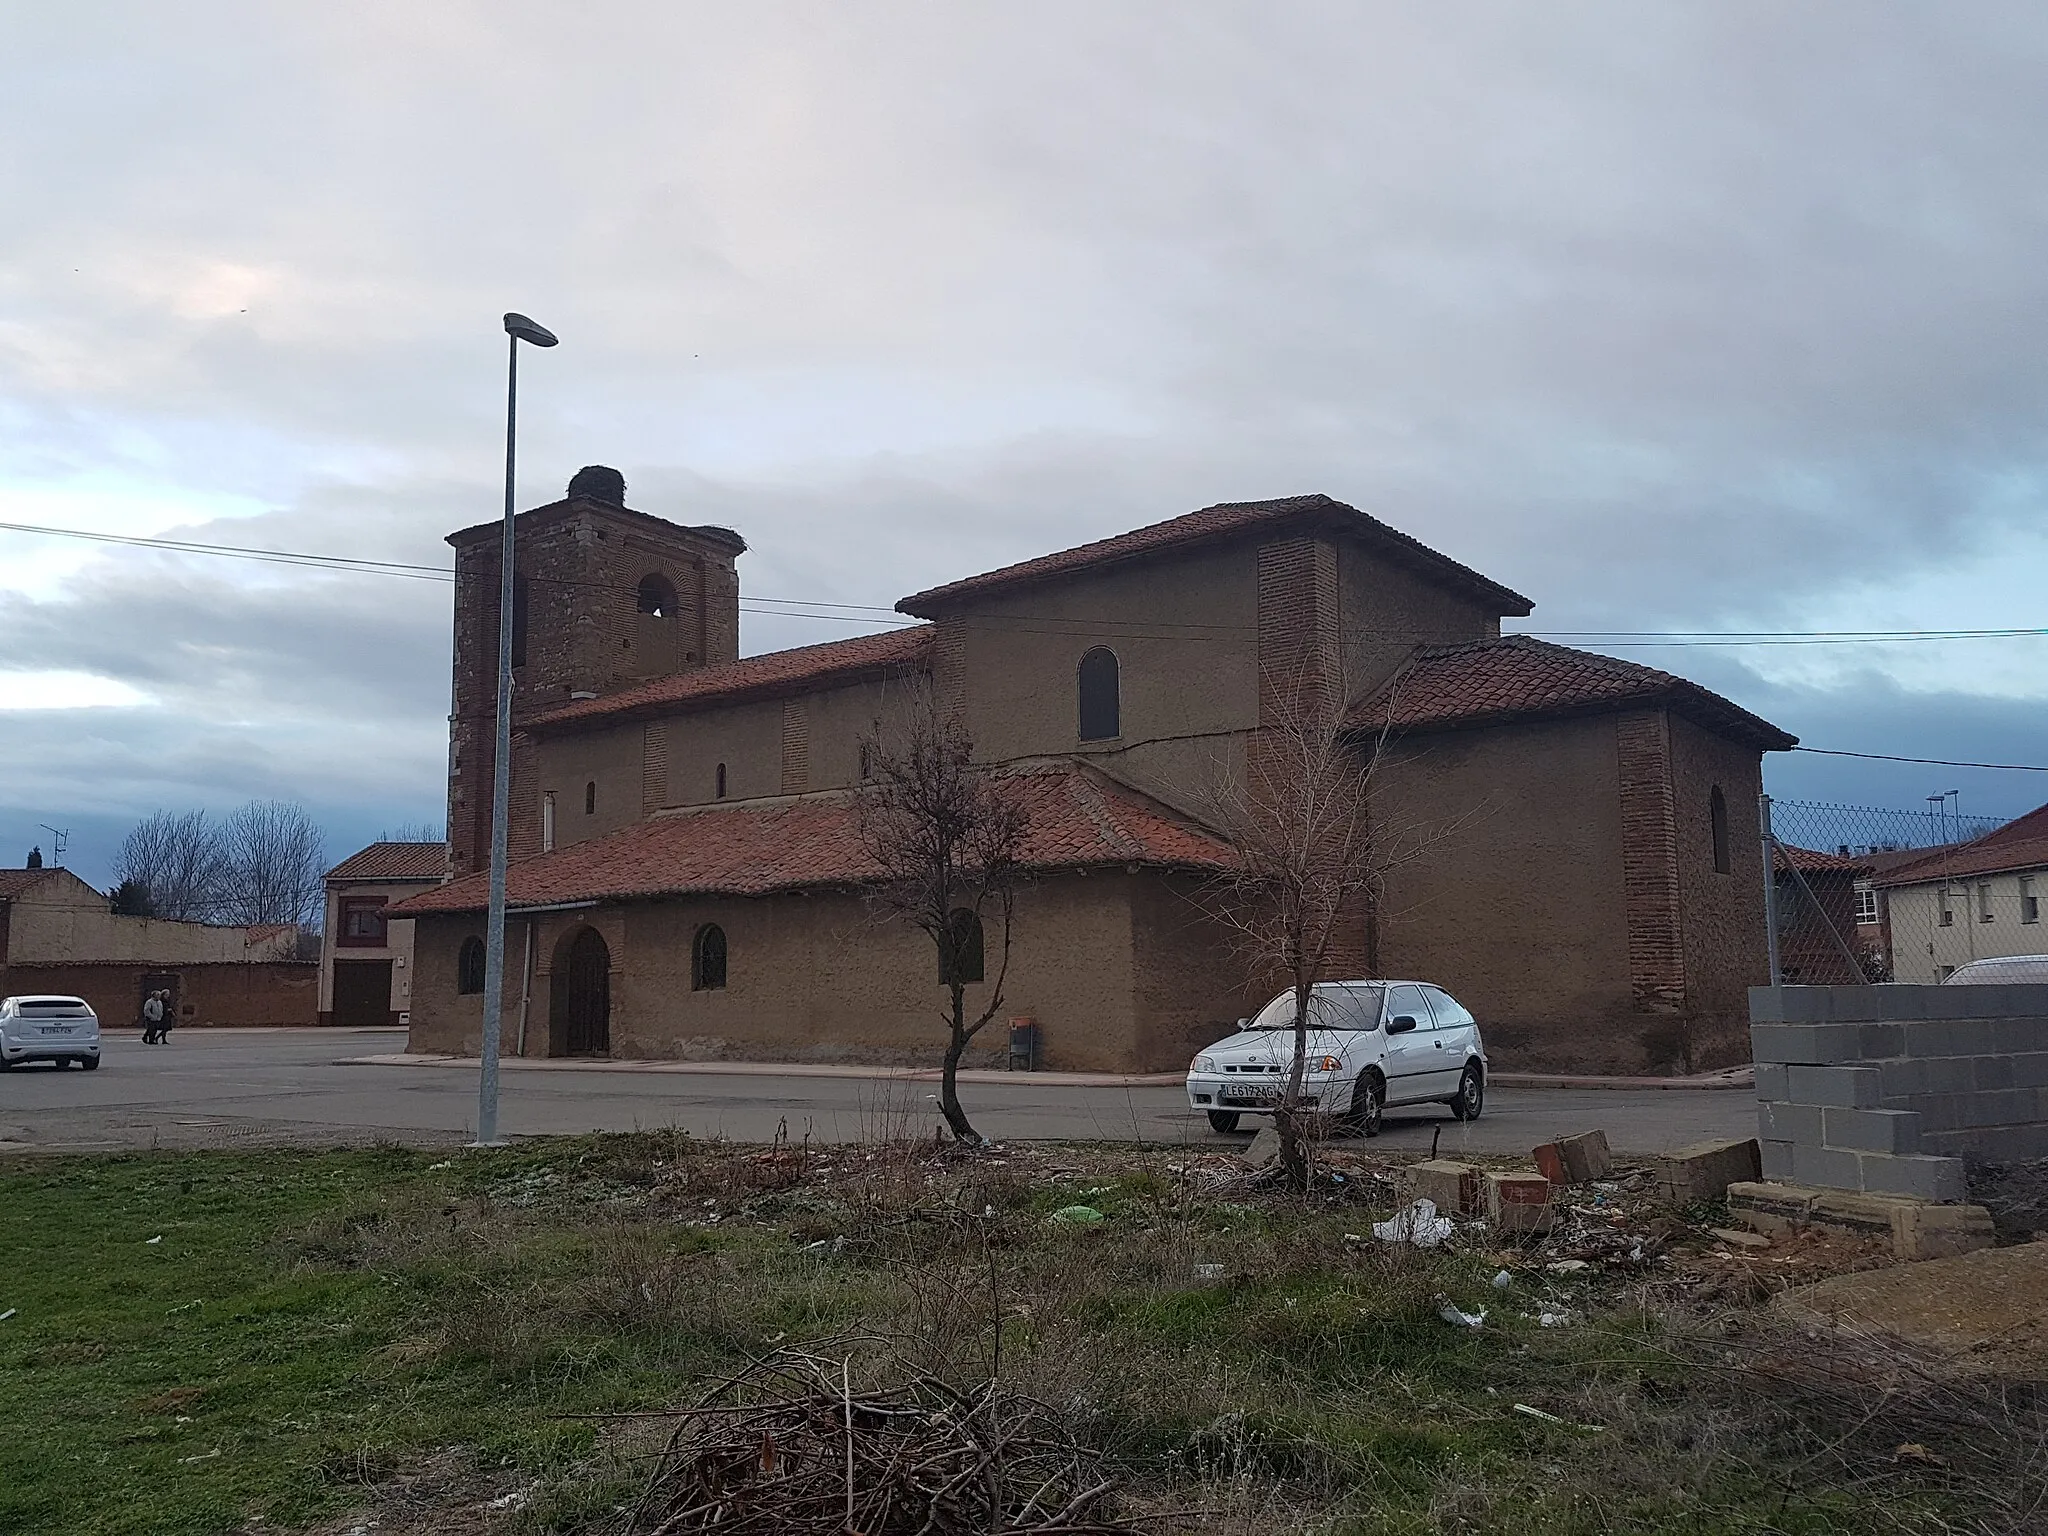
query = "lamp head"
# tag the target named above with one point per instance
(526, 330)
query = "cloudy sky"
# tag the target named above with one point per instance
(1718, 317)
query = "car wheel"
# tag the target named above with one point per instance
(1224, 1120)
(1368, 1104)
(90, 1063)
(1471, 1098)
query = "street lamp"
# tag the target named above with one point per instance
(517, 329)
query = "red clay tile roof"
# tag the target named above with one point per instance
(14, 881)
(1078, 819)
(756, 677)
(394, 861)
(1211, 525)
(1482, 682)
(1811, 861)
(2021, 844)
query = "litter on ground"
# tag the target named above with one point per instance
(1418, 1224)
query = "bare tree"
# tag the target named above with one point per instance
(412, 832)
(176, 860)
(274, 865)
(950, 849)
(1309, 868)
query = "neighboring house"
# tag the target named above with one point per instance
(366, 963)
(1822, 937)
(1969, 901)
(687, 874)
(58, 934)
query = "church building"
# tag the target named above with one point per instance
(687, 873)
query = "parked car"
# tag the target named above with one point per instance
(1370, 1044)
(2001, 971)
(48, 1028)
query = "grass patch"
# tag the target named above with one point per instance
(214, 1342)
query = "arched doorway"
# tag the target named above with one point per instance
(580, 999)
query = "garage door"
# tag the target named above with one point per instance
(362, 992)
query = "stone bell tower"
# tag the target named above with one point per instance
(603, 597)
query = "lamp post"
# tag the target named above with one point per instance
(517, 329)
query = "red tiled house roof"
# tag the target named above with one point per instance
(1485, 682)
(1214, 525)
(1078, 819)
(2021, 844)
(394, 861)
(1812, 861)
(768, 676)
(15, 881)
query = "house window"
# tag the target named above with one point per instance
(1984, 913)
(656, 597)
(469, 966)
(547, 822)
(1948, 911)
(962, 957)
(2030, 904)
(1943, 972)
(1866, 903)
(590, 798)
(1717, 816)
(362, 922)
(1101, 709)
(707, 959)
(719, 777)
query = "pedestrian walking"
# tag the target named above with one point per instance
(153, 1023)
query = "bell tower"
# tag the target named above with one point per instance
(603, 597)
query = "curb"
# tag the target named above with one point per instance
(779, 1069)
(1734, 1077)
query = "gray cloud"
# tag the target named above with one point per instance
(1685, 316)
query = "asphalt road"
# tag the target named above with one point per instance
(252, 1088)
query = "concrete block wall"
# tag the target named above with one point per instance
(1892, 1089)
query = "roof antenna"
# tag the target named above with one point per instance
(60, 840)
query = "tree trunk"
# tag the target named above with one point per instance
(1288, 1120)
(949, 1075)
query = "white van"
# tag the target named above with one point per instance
(48, 1028)
(1370, 1044)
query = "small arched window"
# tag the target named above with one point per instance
(469, 966)
(1100, 706)
(657, 596)
(519, 585)
(720, 778)
(1717, 817)
(707, 959)
(962, 955)
(590, 798)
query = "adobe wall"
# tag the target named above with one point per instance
(1509, 893)
(397, 948)
(1386, 610)
(62, 920)
(1184, 629)
(273, 992)
(816, 978)
(1722, 915)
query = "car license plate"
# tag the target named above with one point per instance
(56, 1029)
(1250, 1098)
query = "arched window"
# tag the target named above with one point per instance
(518, 622)
(720, 777)
(469, 966)
(1717, 816)
(590, 798)
(707, 959)
(657, 596)
(1100, 709)
(962, 956)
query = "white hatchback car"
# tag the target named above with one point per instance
(1370, 1044)
(49, 1028)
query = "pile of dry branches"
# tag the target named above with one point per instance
(788, 1446)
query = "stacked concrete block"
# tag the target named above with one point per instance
(1890, 1089)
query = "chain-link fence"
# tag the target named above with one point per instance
(1867, 893)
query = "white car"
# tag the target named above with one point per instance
(2003, 970)
(1370, 1044)
(48, 1028)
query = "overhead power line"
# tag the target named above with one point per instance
(1937, 762)
(832, 611)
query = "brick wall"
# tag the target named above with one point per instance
(1892, 1089)
(266, 992)
(1649, 862)
(796, 746)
